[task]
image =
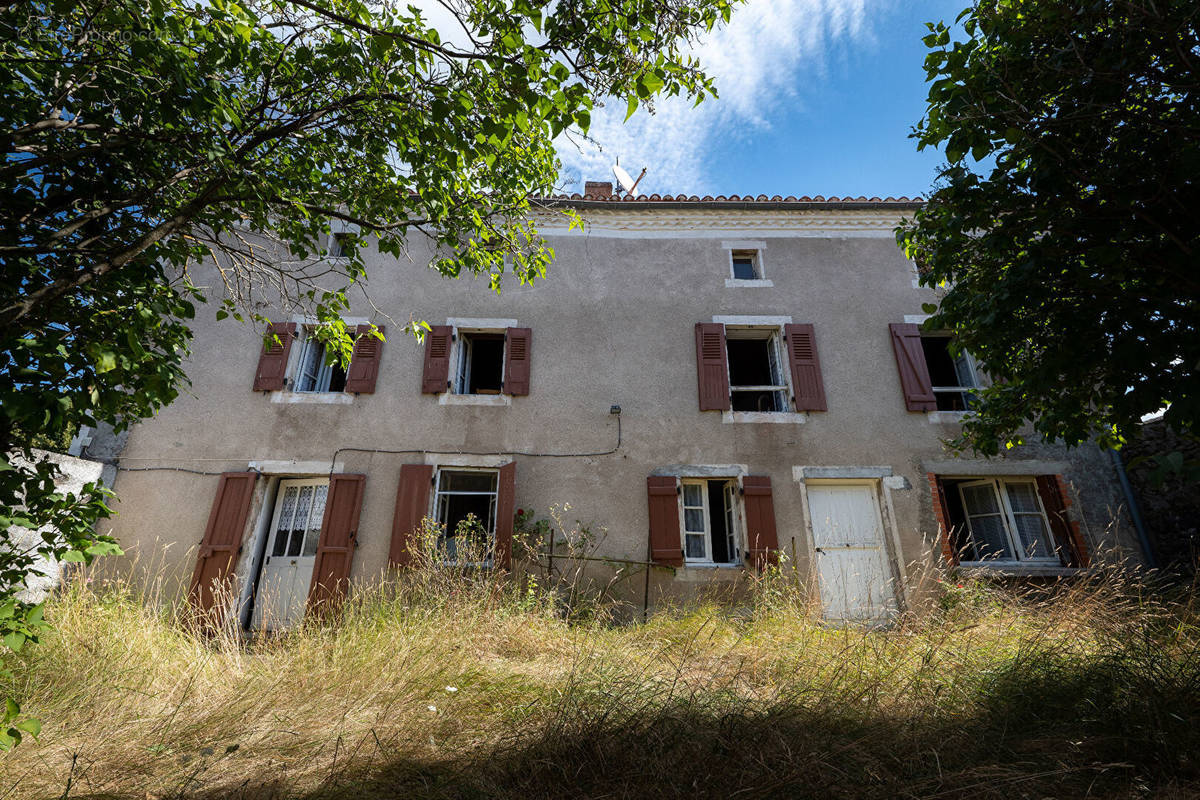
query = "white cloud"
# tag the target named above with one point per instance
(758, 62)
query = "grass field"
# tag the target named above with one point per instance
(452, 687)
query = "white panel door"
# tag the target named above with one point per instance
(852, 568)
(283, 582)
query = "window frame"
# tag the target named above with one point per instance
(1008, 518)
(756, 263)
(777, 349)
(735, 513)
(460, 365)
(277, 512)
(964, 391)
(436, 501)
(324, 373)
(334, 247)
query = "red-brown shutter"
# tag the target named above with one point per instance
(364, 361)
(806, 367)
(335, 548)
(712, 371)
(941, 513)
(1072, 548)
(506, 500)
(412, 505)
(761, 536)
(272, 364)
(662, 495)
(437, 360)
(516, 360)
(222, 538)
(914, 373)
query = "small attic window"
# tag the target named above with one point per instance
(337, 245)
(746, 265)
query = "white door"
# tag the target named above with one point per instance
(852, 568)
(287, 568)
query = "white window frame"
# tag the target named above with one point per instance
(756, 250)
(324, 371)
(438, 493)
(1008, 517)
(777, 349)
(461, 359)
(968, 361)
(734, 513)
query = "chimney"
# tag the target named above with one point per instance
(599, 190)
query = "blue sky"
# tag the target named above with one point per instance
(817, 98)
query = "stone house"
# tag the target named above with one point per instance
(713, 382)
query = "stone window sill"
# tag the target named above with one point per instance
(448, 399)
(777, 417)
(318, 398)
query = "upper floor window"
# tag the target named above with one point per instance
(480, 363)
(951, 373)
(313, 372)
(757, 381)
(337, 244)
(746, 265)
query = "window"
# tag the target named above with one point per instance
(299, 511)
(337, 245)
(710, 522)
(466, 507)
(313, 372)
(480, 363)
(756, 377)
(952, 374)
(746, 265)
(999, 520)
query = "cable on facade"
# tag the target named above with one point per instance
(177, 469)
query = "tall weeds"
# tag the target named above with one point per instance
(450, 682)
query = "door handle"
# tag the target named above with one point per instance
(818, 550)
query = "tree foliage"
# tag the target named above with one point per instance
(1065, 228)
(140, 137)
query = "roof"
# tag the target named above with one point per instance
(762, 201)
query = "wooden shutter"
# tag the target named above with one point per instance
(506, 499)
(516, 360)
(1072, 548)
(222, 538)
(335, 548)
(941, 512)
(712, 371)
(412, 504)
(662, 495)
(759, 505)
(272, 364)
(807, 384)
(437, 360)
(364, 361)
(914, 373)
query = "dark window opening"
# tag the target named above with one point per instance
(951, 375)
(755, 380)
(482, 365)
(745, 265)
(719, 523)
(466, 506)
(337, 244)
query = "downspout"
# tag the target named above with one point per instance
(1135, 512)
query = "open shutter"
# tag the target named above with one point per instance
(364, 361)
(272, 364)
(412, 504)
(506, 499)
(222, 538)
(335, 548)
(662, 495)
(941, 512)
(516, 360)
(914, 373)
(806, 367)
(1072, 548)
(712, 371)
(437, 360)
(761, 536)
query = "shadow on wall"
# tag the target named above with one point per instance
(1170, 507)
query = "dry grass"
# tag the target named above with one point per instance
(453, 687)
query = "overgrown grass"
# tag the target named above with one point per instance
(460, 687)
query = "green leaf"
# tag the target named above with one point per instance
(633, 105)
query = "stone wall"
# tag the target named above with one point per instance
(1170, 510)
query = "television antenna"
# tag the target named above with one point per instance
(625, 180)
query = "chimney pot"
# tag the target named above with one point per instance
(601, 190)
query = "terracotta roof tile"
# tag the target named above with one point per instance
(733, 198)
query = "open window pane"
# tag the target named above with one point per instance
(756, 381)
(466, 507)
(313, 374)
(952, 375)
(480, 364)
(710, 521)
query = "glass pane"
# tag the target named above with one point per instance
(286, 512)
(693, 520)
(694, 545)
(303, 505)
(693, 494)
(310, 365)
(962, 368)
(980, 499)
(1022, 497)
(1031, 530)
(743, 268)
(468, 481)
(315, 518)
(990, 537)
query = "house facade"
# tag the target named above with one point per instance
(712, 384)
